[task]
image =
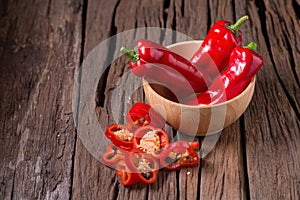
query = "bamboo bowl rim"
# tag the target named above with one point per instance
(145, 82)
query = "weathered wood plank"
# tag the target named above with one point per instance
(40, 47)
(271, 123)
(91, 179)
(283, 27)
(217, 180)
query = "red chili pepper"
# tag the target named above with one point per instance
(150, 140)
(112, 155)
(142, 114)
(151, 52)
(244, 63)
(120, 136)
(213, 55)
(125, 174)
(144, 165)
(178, 155)
(163, 76)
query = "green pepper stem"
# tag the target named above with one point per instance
(133, 54)
(252, 46)
(235, 27)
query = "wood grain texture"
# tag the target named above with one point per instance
(112, 110)
(40, 48)
(88, 171)
(42, 42)
(271, 125)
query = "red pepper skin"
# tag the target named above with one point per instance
(134, 160)
(187, 156)
(112, 155)
(244, 63)
(152, 52)
(110, 133)
(161, 142)
(142, 114)
(126, 176)
(213, 55)
(163, 75)
(194, 145)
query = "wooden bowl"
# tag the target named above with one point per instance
(196, 120)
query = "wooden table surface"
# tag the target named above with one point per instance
(43, 44)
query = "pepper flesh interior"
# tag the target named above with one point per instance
(173, 157)
(124, 134)
(144, 168)
(141, 121)
(150, 142)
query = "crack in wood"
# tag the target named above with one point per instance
(208, 16)
(100, 101)
(166, 10)
(199, 175)
(173, 25)
(13, 185)
(83, 24)
(296, 8)
(244, 156)
(48, 8)
(178, 185)
(182, 8)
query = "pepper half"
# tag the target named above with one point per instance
(178, 155)
(142, 114)
(112, 155)
(244, 63)
(120, 136)
(150, 140)
(144, 165)
(127, 177)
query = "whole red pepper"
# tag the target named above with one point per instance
(150, 140)
(162, 75)
(112, 155)
(127, 177)
(178, 155)
(151, 52)
(213, 55)
(144, 165)
(142, 114)
(244, 63)
(120, 136)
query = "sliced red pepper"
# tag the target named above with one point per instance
(150, 140)
(120, 136)
(142, 114)
(144, 165)
(127, 177)
(213, 55)
(194, 145)
(244, 63)
(112, 155)
(178, 155)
